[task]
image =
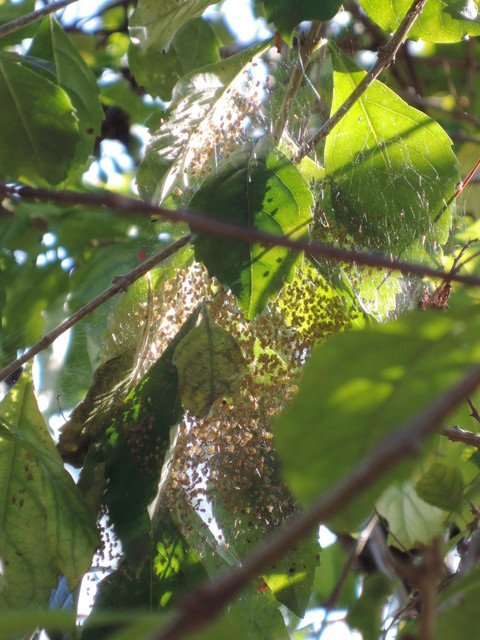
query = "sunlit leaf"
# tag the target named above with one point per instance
(440, 20)
(391, 176)
(256, 187)
(39, 130)
(46, 529)
(388, 373)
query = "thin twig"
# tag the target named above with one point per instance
(201, 607)
(305, 50)
(120, 283)
(221, 228)
(455, 434)
(34, 16)
(386, 56)
(473, 409)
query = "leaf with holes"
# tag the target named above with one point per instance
(39, 131)
(391, 167)
(440, 20)
(262, 188)
(210, 365)
(201, 102)
(72, 73)
(46, 530)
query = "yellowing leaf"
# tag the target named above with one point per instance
(210, 365)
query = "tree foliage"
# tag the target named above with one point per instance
(305, 354)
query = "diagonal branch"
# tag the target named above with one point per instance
(223, 229)
(120, 283)
(204, 605)
(34, 16)
(386, 56)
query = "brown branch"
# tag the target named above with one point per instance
(455, 434)
(201, 607)
(473, 409)
(34, 16)
(221, 228)
(386, 56)
(120, 283)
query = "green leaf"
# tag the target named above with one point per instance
(332, 562)
(441, 486)
(458, 615)
(39, 130)
(12, 11)
(367, 613)
(412, 522)
(388, 373)
(74, 76)
(46, 530)
(286, 14)
(391, 176)
(200, 101)
(195, 45)
(155, 22)
(262, 188)
(210, 365)
(440, 20)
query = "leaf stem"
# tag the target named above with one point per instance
(120, 283)
(386, 55)
(204, 605)
(34, 16)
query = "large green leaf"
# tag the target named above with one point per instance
(441, 486)
(262, 188)
(391, 167)
(46, 530)
(154, 22)
(210, 365)
(51, 43)
(286, 14)
(39, 131)
(440, 20)
(195, 45)
(387, 374)
(200, 101)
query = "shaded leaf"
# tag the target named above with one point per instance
(366, 615)
(46, 530)
(210, 365)
(262, 188)
(286, 14)
(39, 130)
(440, 20)
(199, 101)
(194, 45)
(75, 77)
(411, 521)
(359, 386)
(441, 486)
(391, 176)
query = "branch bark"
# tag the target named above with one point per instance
(385, 58)
(34, 16)
(455, 434)
(203, 606)
(120, 283)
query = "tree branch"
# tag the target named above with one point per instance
(201, 607)
(34, 16)
(386, 56)
(221, 228)
(455, 434)
(120, 283)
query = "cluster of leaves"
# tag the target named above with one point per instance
(232, 385)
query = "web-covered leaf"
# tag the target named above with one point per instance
(391, 176)
(439, 21)
(204, 104)
(262, 188)
(46, 530)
